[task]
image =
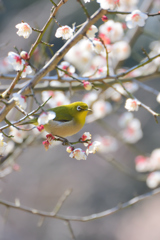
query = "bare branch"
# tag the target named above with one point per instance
(84, 218)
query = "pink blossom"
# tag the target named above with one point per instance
(24, 29)
(104, 18)
(40, 128)
(50, 138)
(46, 144)
(16, 167)
(65, 32)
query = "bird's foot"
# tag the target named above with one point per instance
(64, 141)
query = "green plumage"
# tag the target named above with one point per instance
(62, 113)
(69, 119)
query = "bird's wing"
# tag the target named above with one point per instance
(62, 114)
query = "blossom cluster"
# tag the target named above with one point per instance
(131, 128)
(77, 153)
(151, 164)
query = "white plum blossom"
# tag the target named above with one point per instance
(20, 100)
(132, 104)
(155, 159)
(131, 86)
(133, 132)
(5, 66)
(101, 108)
(58, 98)
(121, 50)
(66, 66)
(45, 117)
(93, 147)
(92, 31)
(125, 119)
(153, 179)
(108, 4)
(24, 55)
(27, 70)
(158, 98)
(78, 154)
(151, 163)
(89, 98)
(18, 135)
(64, 32)
(3, 145)
(69, 149)
(112, 30)
(24, 29)
(86, 136)
(108, 144)
(86, 1)
(80, 55)
(97, 46)
(16, 61)
(136, 18)
(129, 2)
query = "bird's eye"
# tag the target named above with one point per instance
(79, 108)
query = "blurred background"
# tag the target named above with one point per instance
(97, 185)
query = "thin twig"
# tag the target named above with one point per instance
(70, 230)
(84, 218)
(62, 200)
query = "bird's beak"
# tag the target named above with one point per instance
(89, 110)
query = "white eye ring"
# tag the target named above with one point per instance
(79, 108)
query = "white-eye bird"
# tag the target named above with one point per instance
(68, 121)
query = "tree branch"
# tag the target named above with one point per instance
(84, 218)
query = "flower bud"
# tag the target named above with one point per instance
(24, 55)
(104, 18)
(87, 85)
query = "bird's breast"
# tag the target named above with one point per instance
(63, 129)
